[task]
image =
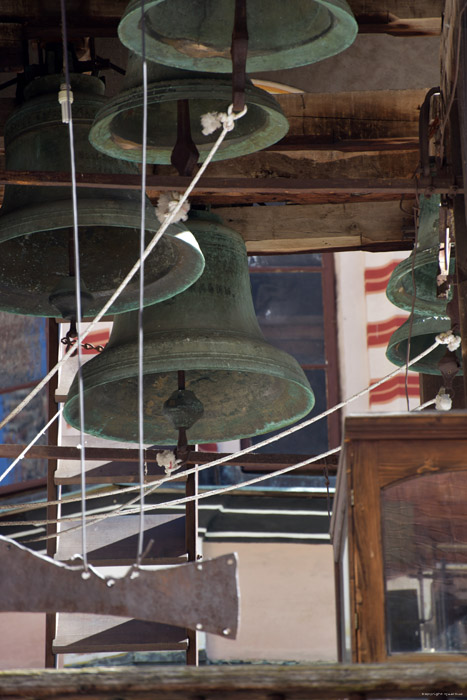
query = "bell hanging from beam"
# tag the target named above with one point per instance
(431, 264)
(176, 101)
(240, 384)
(422, 334)
(197, 35)
(36, 223)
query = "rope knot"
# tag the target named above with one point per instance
(167, 203)
(211, 121)
(443, 401)
(169, 461)
(448, 338)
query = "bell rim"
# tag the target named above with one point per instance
(100, 134)
(35, 216)
(343, 22)
(189, 268)
(420, 322)
(198, 358)
(397, 294)
(115, 367)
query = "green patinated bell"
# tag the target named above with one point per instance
(117, 129)
(197, 35)
(245, 385)
(36, 223)
(424, 260)
(423, 334)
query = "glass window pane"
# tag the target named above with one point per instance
(424, 524)
(289, 308)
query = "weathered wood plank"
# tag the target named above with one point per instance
(225, 682)
(80, 634)
(354, 115)
(395, 26)
(257, 188)
(401, 8)
(300, 228)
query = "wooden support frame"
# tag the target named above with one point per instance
(115, 454)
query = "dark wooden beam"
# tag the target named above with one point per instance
(117, 454)
(247, 189)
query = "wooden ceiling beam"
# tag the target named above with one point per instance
(255, 189)
(323, 227)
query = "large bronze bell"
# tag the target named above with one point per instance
(117, 130)
(424, 261)
(422, 334)
(197, 35)
(246, 386)
(36, 222)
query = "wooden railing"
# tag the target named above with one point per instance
(248, 682)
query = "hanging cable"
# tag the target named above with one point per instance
(141, 293)
(69, 118)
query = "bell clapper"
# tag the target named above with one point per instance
(184, 155)
(182, 409)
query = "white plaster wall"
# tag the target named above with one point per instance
(287, 608)
(351, 324)
(22, 640)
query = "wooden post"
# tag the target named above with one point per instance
(191, 525)
(458, 154)
(52, 436)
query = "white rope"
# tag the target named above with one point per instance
(28, 447)
(162, 229)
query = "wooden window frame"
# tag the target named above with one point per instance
(381, 450)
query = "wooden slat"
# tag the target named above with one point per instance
(246, 682)
(248, 189)
(78, 634)
(353, 115)
(301, 228)
(114, 542)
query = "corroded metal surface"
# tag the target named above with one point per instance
(35, 222)
(247, 386)
(117, 127)
(282, 34)
(422, 334)
(197, 595)
(425, 266)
